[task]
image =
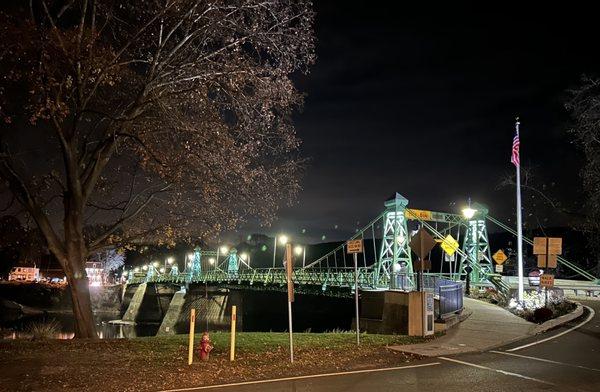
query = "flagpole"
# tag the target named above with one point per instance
(519, 224)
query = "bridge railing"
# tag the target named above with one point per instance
(448, 291)
(324, 277)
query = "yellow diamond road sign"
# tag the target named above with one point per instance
(499, 257)
(449, 245)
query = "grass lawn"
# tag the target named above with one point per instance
(154, 363)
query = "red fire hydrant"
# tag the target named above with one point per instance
(205, 347)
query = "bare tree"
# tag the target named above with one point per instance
(539, 199)
(148, 119)
(584, 105)
(111, 259)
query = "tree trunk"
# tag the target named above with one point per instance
(85, 327)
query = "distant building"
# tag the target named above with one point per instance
(25, 274)
(96, 274)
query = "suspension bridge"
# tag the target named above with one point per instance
(388, 265)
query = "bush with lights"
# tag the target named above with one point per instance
(533, 308)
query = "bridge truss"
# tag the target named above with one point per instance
(386, 262)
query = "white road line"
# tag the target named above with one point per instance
(545, 360)
(238, 384)
(591, 315)
(497, 370)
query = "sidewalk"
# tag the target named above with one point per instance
(488, 326)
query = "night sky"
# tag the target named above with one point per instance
(422, 101)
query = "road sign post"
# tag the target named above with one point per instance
(547, 250)
(355, 247)
(421, 244)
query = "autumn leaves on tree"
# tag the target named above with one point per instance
(134, 120)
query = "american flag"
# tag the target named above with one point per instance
(515, 150)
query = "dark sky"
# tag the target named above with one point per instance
(422, 101)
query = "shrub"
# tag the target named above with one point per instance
(542, 314)
(41, 330)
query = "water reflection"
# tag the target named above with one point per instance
(107, 327)
(117, 329)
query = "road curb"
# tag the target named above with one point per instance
(565, 318)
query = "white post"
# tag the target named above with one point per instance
(289, 266)
(291, 334)
(519, 224)
(217, 260)
(274, 250)
(356, 299)
(303, 256)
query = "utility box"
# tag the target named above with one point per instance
(421, 320)
(397, 312)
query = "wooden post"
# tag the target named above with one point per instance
(191, 340)
(232, 339)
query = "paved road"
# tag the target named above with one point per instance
(567, 362)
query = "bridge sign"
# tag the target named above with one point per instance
(547, 261)
(354, 246)
(547, 280)
(499, 257)
(547, 245)
(499, 268)
(449, 245)
(411, 213)
(422, 243)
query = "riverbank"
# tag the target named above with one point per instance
(154, 363)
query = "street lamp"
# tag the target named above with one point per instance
(136, 269)
(211, 261)
(156, 264)
(245, 257)
(469, 212)
(224, 249)
(145, 267)
(162, 270)
(169, 260)
(283, 239)
(301, 250)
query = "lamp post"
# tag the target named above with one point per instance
(245, 257)
(469, 212)
(283, 239)
(169, 260)
(301, 250)
(224, 249)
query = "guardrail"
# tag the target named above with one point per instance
(448, 291)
